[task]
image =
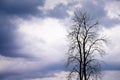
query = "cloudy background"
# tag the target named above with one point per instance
(33, 41)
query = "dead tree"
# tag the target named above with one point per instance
(85, 43)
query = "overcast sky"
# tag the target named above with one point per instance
(33, 41)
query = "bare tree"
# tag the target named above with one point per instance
(85, 43)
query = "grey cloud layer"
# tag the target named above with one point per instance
(17, 7)
(10, 9)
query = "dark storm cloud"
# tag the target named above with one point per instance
(9, 9)
(7, 76)
(7, 33)
(47, 71)
(18, 7)
(111, 66)
(8, 46)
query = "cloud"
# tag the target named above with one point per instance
(60, 11)
(112, 13)
(17, 42)
(111, 75)
(16, 7)
(112, 9)
(105, 13)
(17, 65)
(113, 52)
(93, 8)
(43, 41)
(51, 4)
(32, 36)
(9, 10)
(43, 37)
(19, 68)
(15, 68)
(57, 76)
(8, 46)
(63, 75)
(113, 47)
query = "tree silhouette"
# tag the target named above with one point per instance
(85, 43)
